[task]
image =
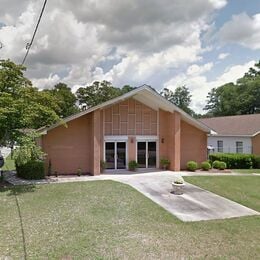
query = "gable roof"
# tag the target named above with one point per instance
(144, 94)
(240, 125)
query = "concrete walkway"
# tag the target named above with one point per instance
(194, 205)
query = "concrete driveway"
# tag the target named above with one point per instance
(194, 205)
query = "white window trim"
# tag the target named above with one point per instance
(114, 138)
(239, 147)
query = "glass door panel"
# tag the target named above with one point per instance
(121, 155)
(141, 154)
(151, 154)
(110, 155)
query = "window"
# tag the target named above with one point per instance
(220, 146)
(239, 147)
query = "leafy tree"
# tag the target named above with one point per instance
(28, 149)
(236, 99)
(222, 100)
(99, 92)
(181, 97)
(21, 105)
(65, 99)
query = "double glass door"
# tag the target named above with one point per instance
(115, 155)
(146, 154)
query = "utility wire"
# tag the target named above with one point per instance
(28, 45)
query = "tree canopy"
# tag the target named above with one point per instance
(99, 92)
(65, 99)
(22, 105)
(243, 97)
(181, 97)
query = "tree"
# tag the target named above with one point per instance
(222, 101)
(65, 99)
(181, 97)
(236, 99)
(99, 92)
(21, 105)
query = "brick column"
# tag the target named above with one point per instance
(175, 141)
(96, 142)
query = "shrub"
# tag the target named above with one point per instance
(219, 165)
(205, 166)
(236, 161)
(222, 166)
(256, 162)
(192, 166)
(29, 158)
(215, 164)
(31, 170)
(132, 165)
(103, 165)
(79, 171)
(165, 163)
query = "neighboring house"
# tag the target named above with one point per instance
(234, 134)
(140, 125)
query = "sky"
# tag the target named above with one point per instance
(201, 44)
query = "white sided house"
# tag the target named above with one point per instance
(234, 134)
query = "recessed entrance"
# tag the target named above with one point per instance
(115, 155)
(146, 154)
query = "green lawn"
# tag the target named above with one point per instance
(242, 189)
(9, 164)
(247, 170)
(110, 220)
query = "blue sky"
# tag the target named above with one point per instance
(201, 43)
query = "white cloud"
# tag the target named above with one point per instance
(46, 82)
(223, 55)
(242, 29)
(200, 86)
(146, 38)
(197, 70)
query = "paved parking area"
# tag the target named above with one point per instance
(194, 205)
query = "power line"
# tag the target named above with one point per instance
(28, 45)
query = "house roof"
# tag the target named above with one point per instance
(240, 125)
(144, 94)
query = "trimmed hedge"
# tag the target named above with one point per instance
(32, 170)
(236, 161)
(205, 166)
(192, 166)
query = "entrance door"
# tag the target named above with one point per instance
(121, 155)
(115, 155)
(151, 154)
(146, 154)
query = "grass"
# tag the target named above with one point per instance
(9, 164)
(247, 170)
(110, 220)
(242, 189)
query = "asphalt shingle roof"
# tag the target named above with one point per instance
(234, 125)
